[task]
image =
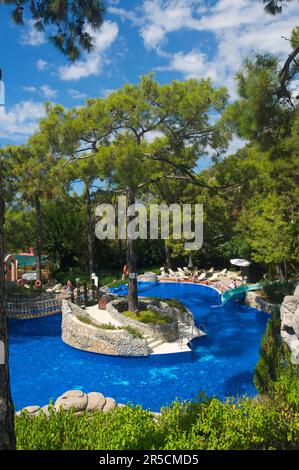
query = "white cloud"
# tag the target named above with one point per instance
(240, 29)
(31, 36)
(161, 17)
(30, 89)
(48, 92)
(45, 91)
(21, 120)
(92, 64)
(192, 64)
(76, 94)
(41, 64)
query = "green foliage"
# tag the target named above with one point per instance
(272, 355)
(175, 303)
(87, 320)
(124, 428)
(236, 248)
(270, 422)
(275, 7)
(72, 275)
(258, 115)
(276, 291)
(67, 19)
(149, 316)
(134, 332)
(110, 281)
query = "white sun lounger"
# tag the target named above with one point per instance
(202, 276)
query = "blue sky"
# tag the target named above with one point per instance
(176, 39)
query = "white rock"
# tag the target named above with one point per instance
(296, 293)
(72, 399)
(73, 393)
(109, 405)
(31, 409)
(96, 401)
(295, 356)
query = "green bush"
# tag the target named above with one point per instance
(269, 422)
(105, 326)
(63, 276)
(276, 291)
(110, 281)
(134, 332)
(149, 317)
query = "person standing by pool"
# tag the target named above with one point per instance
(69, 288)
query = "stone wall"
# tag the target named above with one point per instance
(99, 340)
(255, 300)
(180, 314)
(167, 332)
(289, 315)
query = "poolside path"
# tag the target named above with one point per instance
(102, 316)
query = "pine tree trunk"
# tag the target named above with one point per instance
(167, 255)
(279, 271)
(131, 261)
(7, 435)
(39, 238)
(90, 233)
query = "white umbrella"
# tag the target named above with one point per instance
(243, 263)
(190, 263)
(29, 277)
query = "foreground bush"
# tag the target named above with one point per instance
(276, 291)
(268, 422)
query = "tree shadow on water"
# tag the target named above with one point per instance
(239, 384)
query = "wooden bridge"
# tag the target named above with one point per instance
(33, 305)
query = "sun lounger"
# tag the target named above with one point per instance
(187, 271)
(163, 272)
(182, 274)
(214, 277)
(173, 274)
(202, 276)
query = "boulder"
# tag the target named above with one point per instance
(72, 399)
(296, 321)
(296, 293)
(109, 405)
(295, 356)
(31, 410)
(73, 393)
(45, 410)
(96, 401)
(288, 310)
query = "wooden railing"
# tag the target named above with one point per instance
(34, 306)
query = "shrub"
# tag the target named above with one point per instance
(271, 355)
(104, 326)
(134, 332)
(276, 291)
(85, 319)
(149, 317)
(271, 422)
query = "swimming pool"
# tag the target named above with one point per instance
(42, 366)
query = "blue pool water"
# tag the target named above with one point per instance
(42, 366)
